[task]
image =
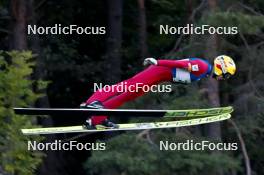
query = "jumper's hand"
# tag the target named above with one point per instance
(189, 68)
(150, 61)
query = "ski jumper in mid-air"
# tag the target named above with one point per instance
(176, 71)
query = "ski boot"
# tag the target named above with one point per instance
(104, 124)
(92, 105)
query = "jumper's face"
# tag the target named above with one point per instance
(219, 77)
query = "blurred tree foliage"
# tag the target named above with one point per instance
(247, 97)
(16, 90)
(123, 158)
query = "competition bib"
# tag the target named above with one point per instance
(181, 76)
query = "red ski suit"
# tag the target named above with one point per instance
(164, 71)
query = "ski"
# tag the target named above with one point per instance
(130, 126)
(124, 112)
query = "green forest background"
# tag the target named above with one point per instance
(59, 71)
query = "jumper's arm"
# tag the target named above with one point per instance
(185, 64)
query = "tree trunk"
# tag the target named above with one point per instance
(190, 7)
(214, 130)
(143, 47)
(19, 20)
(52, 162)
(39, 73)
(114, 41)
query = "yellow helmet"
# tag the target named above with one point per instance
(224, 65)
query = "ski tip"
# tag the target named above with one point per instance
(231, 108)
